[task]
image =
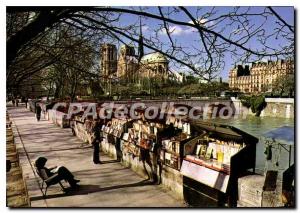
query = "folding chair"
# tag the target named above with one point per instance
(49, 181)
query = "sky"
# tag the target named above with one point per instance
(186, 37)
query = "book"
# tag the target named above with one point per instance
(208, 153)
(198, 149)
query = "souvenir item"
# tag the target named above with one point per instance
(214, 150)
(198, 149)
(168, 121)
(144, 143)
(203, 150)
(172, 120)
(208, 153)
(188, 129)
(176, 124)
(152, 146)
(180, 125)
(220, 157)
(155, 131)
(169, 145)
(167, 156)
(165, 143)
(119, 134)
(126, 136)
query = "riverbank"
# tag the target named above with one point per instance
(102, 185)
(256, 126)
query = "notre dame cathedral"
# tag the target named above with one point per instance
(126, 66)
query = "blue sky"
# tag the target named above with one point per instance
(185, 37)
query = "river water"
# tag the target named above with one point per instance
(256, 126)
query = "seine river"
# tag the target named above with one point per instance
(256, 126)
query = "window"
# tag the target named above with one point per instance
(160, 69)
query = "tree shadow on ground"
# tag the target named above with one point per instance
(110, 161)
(88, 189)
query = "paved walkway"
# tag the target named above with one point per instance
(105, 185)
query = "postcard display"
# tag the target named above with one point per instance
(83, 128)
(141, 135)
(173, 148)
(111, 132)
(213, 164)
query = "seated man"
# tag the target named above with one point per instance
(55, 174)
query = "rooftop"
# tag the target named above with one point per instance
(154, 57)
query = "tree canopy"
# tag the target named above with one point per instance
(38, 37)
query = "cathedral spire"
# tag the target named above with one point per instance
(141, 44)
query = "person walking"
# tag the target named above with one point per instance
(26, 101)
(38, 111)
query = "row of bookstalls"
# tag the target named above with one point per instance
(83, 127)
(198, 161)
(195, 158)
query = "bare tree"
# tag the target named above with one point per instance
(217, 33)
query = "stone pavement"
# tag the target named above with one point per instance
(105, 185)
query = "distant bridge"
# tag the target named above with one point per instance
(189, 102)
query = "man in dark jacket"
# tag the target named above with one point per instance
(38, 110)
(55, 174)
(26, 102)
(96, 142)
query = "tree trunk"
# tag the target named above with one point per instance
(57, 91)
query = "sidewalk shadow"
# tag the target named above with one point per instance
(88, 189)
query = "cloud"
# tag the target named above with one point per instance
(178, 30)
(203, 22)
(173, 30)
(145, 28)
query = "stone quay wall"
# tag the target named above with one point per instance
(279, 107)
(276, 107)
(58, 118)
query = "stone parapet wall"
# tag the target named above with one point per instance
(171, 178)
(58, 118)
(81, 133)
(280, 108)
(276, 107)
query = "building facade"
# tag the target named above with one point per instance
(108, 62)
(126, 66)
(260, 76)
(154, 65)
